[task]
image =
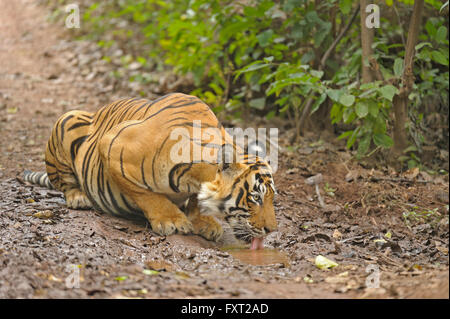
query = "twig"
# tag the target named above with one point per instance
(397, 180)
(324, 59)
(336, 41)
(399, 23)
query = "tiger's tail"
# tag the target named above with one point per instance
(38, 178)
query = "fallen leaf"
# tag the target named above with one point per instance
(159, 265)
(442, 249)
(352, 176)
(337, 234)
(143, 291)
(182, 275)
(53, 278)
(416, 266)
(121, 278)
(324, 263)
(43, 214)
(11, 110)
(308, 279)
(412, 173)
(150, 272)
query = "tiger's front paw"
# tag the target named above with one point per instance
(207, 227)
(168, 225)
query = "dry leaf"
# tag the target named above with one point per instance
(412, 173)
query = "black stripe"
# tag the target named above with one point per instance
(50, 164)
(143, 173)
(63, 123)
(239, 197)
(121, 162)
(78, 124)
(116, 207)
(182, 173)
(129, 207)
(75, 146)
(172, 172)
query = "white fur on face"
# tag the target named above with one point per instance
(207, 201)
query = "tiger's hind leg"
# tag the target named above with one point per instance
(76, 199)
(59, 156)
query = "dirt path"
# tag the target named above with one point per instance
(86, 254)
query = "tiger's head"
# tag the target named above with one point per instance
(242, 195)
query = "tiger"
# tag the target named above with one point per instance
(120, 160)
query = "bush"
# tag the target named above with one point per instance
(264, 56)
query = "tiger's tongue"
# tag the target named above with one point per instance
(257, 243)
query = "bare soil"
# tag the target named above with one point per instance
(373, 219)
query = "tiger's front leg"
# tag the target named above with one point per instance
(164, 216)
(205, 226)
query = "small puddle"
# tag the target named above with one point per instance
(259, 257)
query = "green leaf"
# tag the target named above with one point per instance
(383, 140)
(250, 68)
(345, 134)
(421, 45)
(362, 109)
(265, 37)
(271, 114)
(318, 102)
(441, 34)
(317, 74)
(439, 58)
(334, 94)
(321, 33)
(347, 99)
(349, 115)
(296, 101)
(352, 138)
(258, 103)
(430, 29)
(373, 108)
(363, 145)
(345, 6)
(388, 91)
(398, 67)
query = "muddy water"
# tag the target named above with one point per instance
(259, 257)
